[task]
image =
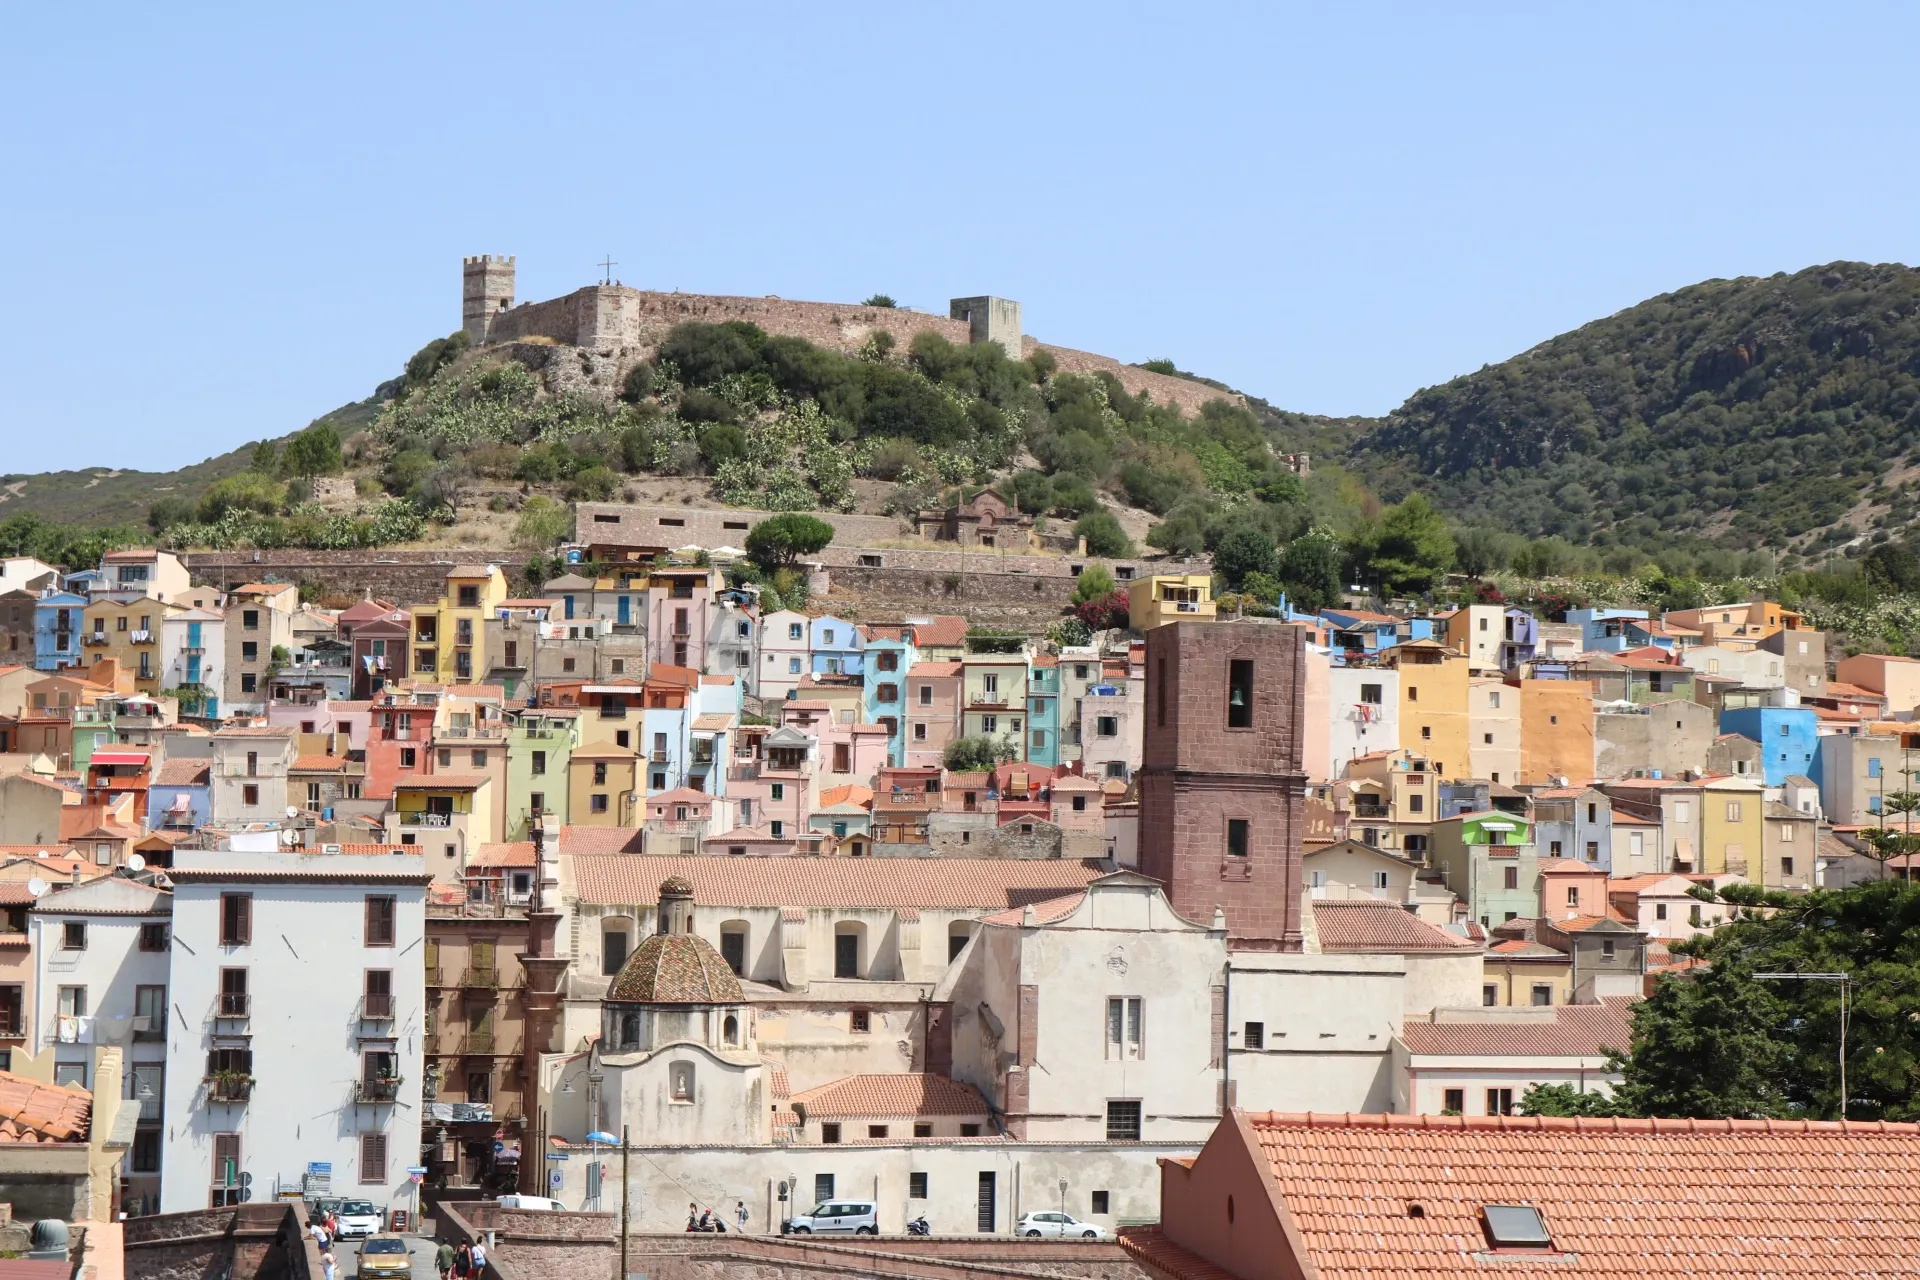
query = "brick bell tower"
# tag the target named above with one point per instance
(1222, 791)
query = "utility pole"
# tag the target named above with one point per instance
(1845, 980)
(626, 1185)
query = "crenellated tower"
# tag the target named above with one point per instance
(486, 290)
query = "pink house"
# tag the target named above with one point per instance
(1569, 887)
(932, 712)
(679, 616)
(1078, 804)
(677, 820)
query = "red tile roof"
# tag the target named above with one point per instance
(184, 773)
(1623, 1199)
(891, 1095)
(319, 764)
(1577, 1031)
(942, 630)
(951, 883)
(517, 854)
(1361, 925)
(1043, 912)
(590, 840)
(35, 1112)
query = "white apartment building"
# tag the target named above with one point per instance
(1363, 714)
(300, 982)
(784, 653)
(249, 781)
(100, 962)
(193, 654)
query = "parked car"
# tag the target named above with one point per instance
(1058, 1224)
(837, 1217)
(358, 1219)
(532, 1202)
(383, 1257)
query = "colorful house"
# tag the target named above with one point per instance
(57, 624)
(1788, 738)
(1043, 710)
(1161, 598)
(1489, 861)
(450, 635)
(1433, 704)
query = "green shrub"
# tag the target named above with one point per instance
(543, 523)
(596, 483)
(1104, 535)
(639, 383)
(248, 491)
(722, 443)
(880, 300)
(1245, 549)
(892, 459)
(168, 512)
(1094, 583)
(704, 406)
(706, 353)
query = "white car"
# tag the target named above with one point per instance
(1059, 1224)
(532, 1202)
(358, 1219)
(837, 1217)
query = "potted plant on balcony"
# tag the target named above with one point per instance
(232, 1084)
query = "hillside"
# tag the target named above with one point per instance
(1778, 412)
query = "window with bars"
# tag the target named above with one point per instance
(1123, 1121)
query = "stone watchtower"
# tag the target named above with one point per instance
(990, 320)
(486, 289)
(1222, 790)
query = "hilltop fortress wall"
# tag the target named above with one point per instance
(626, 324)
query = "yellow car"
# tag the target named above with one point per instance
(384, 1257)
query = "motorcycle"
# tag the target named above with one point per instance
(919, 1227)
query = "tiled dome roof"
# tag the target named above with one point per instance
(676, 885)
(675, 968)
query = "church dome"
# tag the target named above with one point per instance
(676, 887)
(675, 968)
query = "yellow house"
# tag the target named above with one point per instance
(1433, 704)
(1752, 622)
(1733, 825)
(994, 696)
(129, 633)
(1476, 631)
(1493, 729)
(449, 815)
(450, 635)
(1393, 799)
(1169, 597)
(1556, 731)
(603, 787)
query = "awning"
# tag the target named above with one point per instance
(1497, 826)
(136, 758)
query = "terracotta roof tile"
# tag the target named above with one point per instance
(592, 840)
(35, 1112)
(1734, 1199)
(319, 764)
(184, 773)
(1162, 1256)
(891, 1095)
(1043, 912)
(518, 853)
(950, 883)
(1365, 925)
(1577, 1031)
(942, 631)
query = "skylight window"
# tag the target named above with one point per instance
(1516, 1226)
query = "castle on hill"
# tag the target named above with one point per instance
(612, 317)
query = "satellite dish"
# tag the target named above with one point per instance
(290, 838)
(292, 813)
(36, 887)
(136, 863)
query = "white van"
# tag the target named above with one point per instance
(838, 1217)
(532, 1202)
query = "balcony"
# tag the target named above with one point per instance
(481, 979)
(426, 820)
(433, 975)
(229, 1086)
(377, 1007)
(96, 638)
(1371, 811)
(234, 1004)
(141, 637)
(478, 1043)
(658, 755)
(380, 1089)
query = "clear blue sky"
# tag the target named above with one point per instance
(221, 222)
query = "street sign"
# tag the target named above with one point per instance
(556, 1155)
(418, 1178)
(320, 1166)
(556, 1180)
(417, 1169)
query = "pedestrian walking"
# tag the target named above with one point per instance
(443, 1259)
(740, 1213)
(479, 1258)
(327, 1261)
(463, 1261)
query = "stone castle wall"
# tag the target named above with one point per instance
(629, 323)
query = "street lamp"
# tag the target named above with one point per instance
(1845, 980)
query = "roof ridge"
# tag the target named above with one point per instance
(1588, 1124)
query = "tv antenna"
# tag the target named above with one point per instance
(606, 267)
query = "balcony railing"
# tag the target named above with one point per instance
(658, 755)
(379, 1089)
(96, 638)
(1370, 811)
(477, 1042)
(433, 973)
(229, 1086)
(426, 820)
(481, 979)
(234, 1004)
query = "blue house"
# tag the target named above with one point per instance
(889, 654)
(1576, 823)
(56, 630)
(1043, 711)
(1520, 641)
(180, 797)
(1605, 630)
(1788, 738)
(837, 645)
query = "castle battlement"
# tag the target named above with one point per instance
(488, 259)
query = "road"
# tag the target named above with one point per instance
(347, 1254)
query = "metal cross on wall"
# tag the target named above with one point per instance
(606, 268)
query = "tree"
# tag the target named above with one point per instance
(542, 523)
(1565, 1100)
(1310, 571)
(882, 300)
(1104, 535)
(779, 542)
(1111, 610)
(167, 512)
(1408, 549)
(313, 452)
(971, 755)
(1715, 1041)
(1094, 583)
(1244, 549)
